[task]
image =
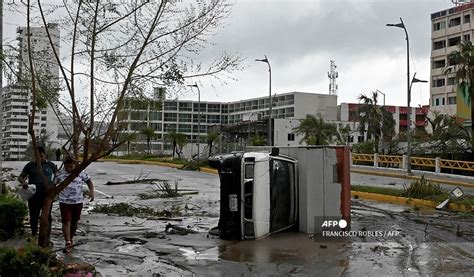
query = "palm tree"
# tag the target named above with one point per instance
(447, 136)
(315, 130)
(463, 60)
(149, 133)
(257, 139)
(178, 140)
(342, 134)
(210, 139)
(127, 138)
(375, 120)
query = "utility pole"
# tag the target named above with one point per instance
(1, 92)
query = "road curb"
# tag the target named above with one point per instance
(407, 201)
(208, 170)
(412, 177)
(143, 162)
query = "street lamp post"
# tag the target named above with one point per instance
(381, 125)
(269, 99)
(199, 119)
(402, 25)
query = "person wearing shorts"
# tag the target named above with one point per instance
(71, 200)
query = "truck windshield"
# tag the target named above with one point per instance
(282, 195)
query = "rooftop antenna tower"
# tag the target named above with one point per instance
(332, 74)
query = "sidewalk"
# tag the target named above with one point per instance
(443, 178)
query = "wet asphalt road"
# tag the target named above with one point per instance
(428, 243)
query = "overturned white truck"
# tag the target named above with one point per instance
(295, 188)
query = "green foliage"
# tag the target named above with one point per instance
(162, 189)
(448, 136)
(257, 139)
(366, 147)
(379, 190)
(374, 119)
(30, 260)
(315, 130)
(12, 213)
(422, 188)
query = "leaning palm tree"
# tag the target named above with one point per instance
(374, 119)
(178, 140)
(463, 60)
(149, 133)
(210, 139)
(315, 130)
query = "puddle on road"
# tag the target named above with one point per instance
(209, 254)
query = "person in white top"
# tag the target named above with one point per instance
(71, 200)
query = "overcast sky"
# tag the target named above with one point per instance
(300, 37)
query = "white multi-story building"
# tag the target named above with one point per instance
(449, 28)
(182, 116)
(17, 98)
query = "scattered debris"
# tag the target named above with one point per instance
(134, 240)
(176, 230)
(163, 189)
(135, 181)
(125, 209)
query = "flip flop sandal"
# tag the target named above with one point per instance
(68, 247)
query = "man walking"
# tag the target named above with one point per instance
(42, 180)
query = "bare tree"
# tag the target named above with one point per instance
(114, 50)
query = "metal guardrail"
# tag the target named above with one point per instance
(428, 162)
(436, 163)
(362, 157)
(388, 159)
(461, 165)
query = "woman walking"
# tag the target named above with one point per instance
(71, 200)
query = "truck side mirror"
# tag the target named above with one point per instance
(215, 162)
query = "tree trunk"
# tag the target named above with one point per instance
(210, 149)
(44, 230)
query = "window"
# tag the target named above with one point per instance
(439, 44)
(282, 195)
(171, 106)
(439, 25)
(467, 37)
(291, 137)
(439, 63)
(185, 107)
(455, 21)
(467, 18)
(437, 102)
(454, 41)
(438, 82)
(443, 100)
(171, 117)
(452, 100)
(185, 117)
(450, 81)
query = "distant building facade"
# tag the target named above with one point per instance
(17, 98)
(449, 28)
(182, 116)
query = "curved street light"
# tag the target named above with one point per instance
(199, 117)
(402, 25)
(269, 99)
